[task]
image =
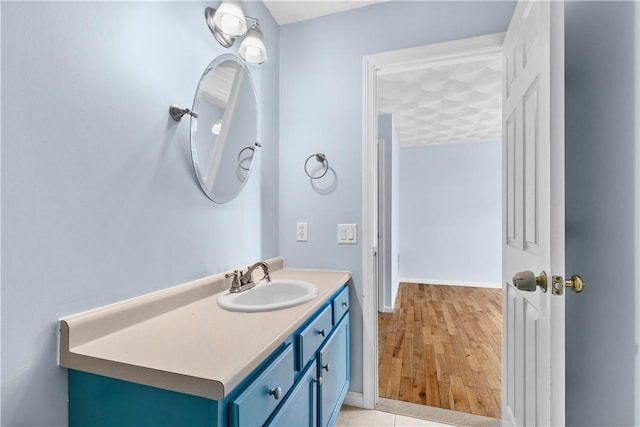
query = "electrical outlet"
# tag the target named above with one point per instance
(302, 232)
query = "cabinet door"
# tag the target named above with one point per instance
(300, 407)
(333, 368)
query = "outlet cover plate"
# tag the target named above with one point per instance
(302, 232)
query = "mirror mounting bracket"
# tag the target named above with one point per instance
(176, 112)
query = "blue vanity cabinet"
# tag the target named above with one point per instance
(302, 383)
(323, 356)
(100, 401)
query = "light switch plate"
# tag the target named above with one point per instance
(347, 234)
(302, 230)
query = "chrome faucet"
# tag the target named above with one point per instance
(246, 278)
(244, 281)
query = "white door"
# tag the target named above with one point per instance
(533, 215)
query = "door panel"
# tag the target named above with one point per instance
(533, 209)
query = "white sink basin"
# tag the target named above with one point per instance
(275, 295)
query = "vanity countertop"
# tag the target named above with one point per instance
(180, 339)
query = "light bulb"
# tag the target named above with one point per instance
(252, 53)
(230, 24)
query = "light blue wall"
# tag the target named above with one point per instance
(321, 110)
(601, 198)
(450, 213)
(391, 202)
(99, 200)
(395, 214)
(385, 132)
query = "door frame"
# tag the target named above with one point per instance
(390, 62)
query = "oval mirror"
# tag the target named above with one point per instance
(223, 136)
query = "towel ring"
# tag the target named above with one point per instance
(321, 158)
(253, 151)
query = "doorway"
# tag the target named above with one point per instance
(462, 51)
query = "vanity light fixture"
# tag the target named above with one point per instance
(228, 23)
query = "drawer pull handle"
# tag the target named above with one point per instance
(275, 392)
(326, 367)
(345, 304)
(319, 380)
(322, 332)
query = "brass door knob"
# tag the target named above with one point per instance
(576, 283)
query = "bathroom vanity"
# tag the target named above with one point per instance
(175, 357)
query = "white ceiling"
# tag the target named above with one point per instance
(444, 104)
(289, 11)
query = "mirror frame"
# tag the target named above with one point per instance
(193, 125)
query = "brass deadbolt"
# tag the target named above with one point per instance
(576, 283)
(559, 283)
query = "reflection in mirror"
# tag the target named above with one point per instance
(223, 136)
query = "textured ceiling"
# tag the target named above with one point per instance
(444, 104)
(289, 11)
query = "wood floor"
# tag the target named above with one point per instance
(441, 347)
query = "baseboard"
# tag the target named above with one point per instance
(354, 399)
(451, 283)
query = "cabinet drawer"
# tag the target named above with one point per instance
(254, 406)
(340, 305)
(310, 339)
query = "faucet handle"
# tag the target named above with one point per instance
(234, 274)
(235, 283)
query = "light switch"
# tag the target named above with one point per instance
(301, 232)
(347, 234)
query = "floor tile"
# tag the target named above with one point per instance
(352, 417)
(402, 421)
